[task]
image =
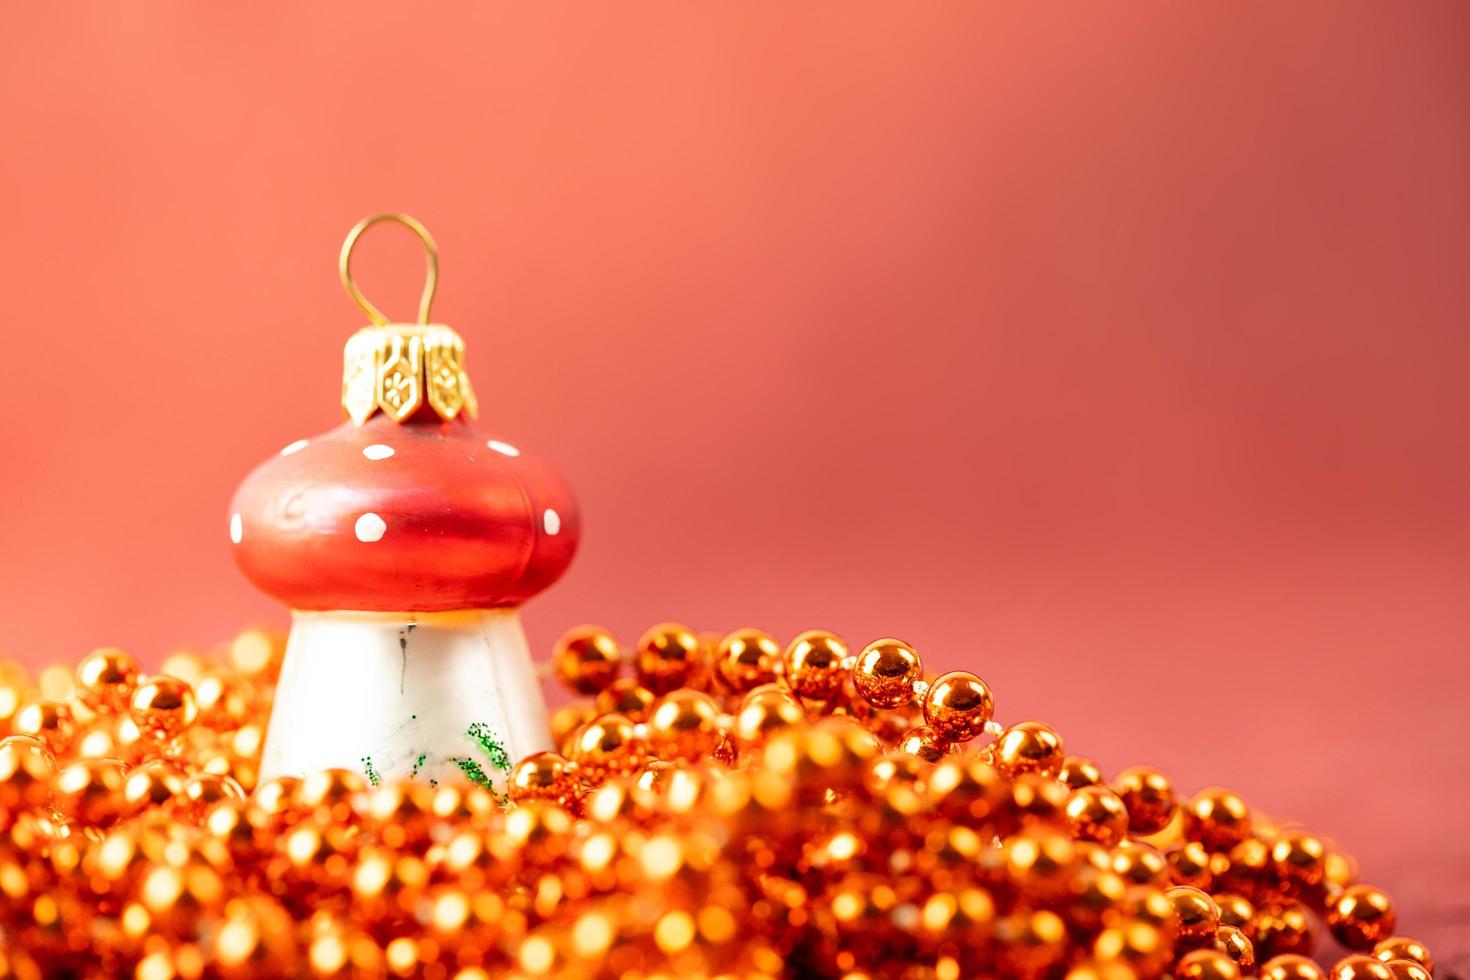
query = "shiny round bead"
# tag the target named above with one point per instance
(1409, 970)
(49, 721)
(886, 672)
(1077, 772)
(586, 659)
(163, 707)
(625, 696)
(668, 656)
(544, 776)
(105, 679)
(1138, 944)
(607, 745)
(1189, 864)
(1404, 948)
(1361, 917)
(1141, 864)
(329, 794)
(153, 784)
(747, 658)
(1030, 944)
(203, 791)
(1199, 917)
(1234, 943)
(1281, 929)
(1218, 819)
(1300, 860)
(925, 743)
(1149, 796)
(1206, 964)
(1235, 910)
(812, 665)
(26, 770)
(90, 792)
(1096, 813)
(957, 706)
(1291, 966)
(764, 712)
(1361, 968)
(682, 725)
(1028, 747)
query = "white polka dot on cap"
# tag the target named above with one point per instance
(503, 448)
(377, 451)
(369, 528)
(551, 522)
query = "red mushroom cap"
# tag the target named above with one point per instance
(426, 516)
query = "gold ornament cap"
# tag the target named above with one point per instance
(399, 368)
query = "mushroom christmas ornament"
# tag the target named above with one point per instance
(403, 542)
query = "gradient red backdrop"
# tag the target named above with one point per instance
(1117, 351)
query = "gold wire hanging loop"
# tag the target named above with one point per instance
(431, 281)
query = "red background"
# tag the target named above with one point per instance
(1117, 351)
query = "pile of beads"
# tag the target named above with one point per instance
(718, 807)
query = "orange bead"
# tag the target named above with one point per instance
(1404, 948)
(925, 743)
(26, 771)
(1097, 814)
(203, 791)
(607, 745)
(1138, 944)
(1281, 929)
(153, 784)
(1218, 819)
(625, 696)
(668, 656)
(957, 706)
(544, 776)
(1235, 910)
(1290, 966)
(813, 665)
(1206, 964)
(1409, 970)
(1189, 864)
(1234, 943)
(886, 672)
(163, 707)
(105, 679)
(1300, 860)
(90, 792)
(682, 725)
(586, 659)
(1199, 917)
(49, 721)
(747, 658)
(1361, 917)
(1361, 968)
(1141, 864)
(764, 712)
(329, 794)
(1149, 797)
(1077, 772)
(1028, 747)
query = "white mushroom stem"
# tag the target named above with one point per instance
(404, 694)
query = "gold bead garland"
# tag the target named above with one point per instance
(718, 807)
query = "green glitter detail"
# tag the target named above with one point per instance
(490, 745)
(472, 771)
(417, 765)
(367, 767)
(433, 782)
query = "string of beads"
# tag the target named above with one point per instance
(719, 806)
